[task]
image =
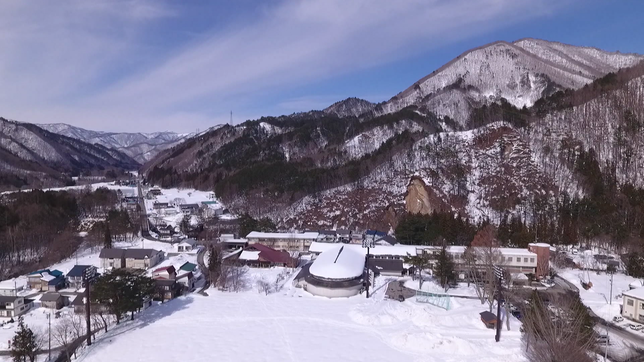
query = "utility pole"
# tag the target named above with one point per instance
(88, 309)
(498, 272)
(49, 331)
(367, 243)
(610, 301)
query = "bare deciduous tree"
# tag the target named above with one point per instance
(561, 331)
(63, 334)
(263, 286)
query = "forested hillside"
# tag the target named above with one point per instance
(565, 167)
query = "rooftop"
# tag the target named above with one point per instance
(78, 270)
(340, 262)
(635, 293)
(50, 297)
(294, 235)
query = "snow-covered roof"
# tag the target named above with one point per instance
(542, 245)
(635, 293)
(234, 241)
(190, 242)
(398, 249)
(340, 262)
(261, 235)
(47, 277)
(454, 249)
(249, 255)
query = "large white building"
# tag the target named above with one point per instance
(336, 273)
(283, 241)
(634, 304)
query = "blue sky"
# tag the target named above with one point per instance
(153, 65)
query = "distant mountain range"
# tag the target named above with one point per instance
(486, 135)
(32, 156)
(140, 146)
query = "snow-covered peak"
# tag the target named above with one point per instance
(520, 72)
(350, 107)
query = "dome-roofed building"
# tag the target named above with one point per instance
(335, 273)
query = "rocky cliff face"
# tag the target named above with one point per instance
(417, 199)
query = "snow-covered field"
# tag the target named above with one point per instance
(292, 325)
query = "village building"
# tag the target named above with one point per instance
(167, 289)
(187, 246)
(335, 273)
(11, 288)
(387, 267)
(187, 281)
(262, 256)
(283, 241)
(159, 206)
(189, 209)
(633, 307)
(52, 300)
(130, 258)
(229, 242)
(12, 307)
(167, 272)
(188, 267)
(79, 273)
(46, 280)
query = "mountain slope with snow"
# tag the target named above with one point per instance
(140, 146)
(521, 72)
(31, 155)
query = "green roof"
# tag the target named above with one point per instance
(209, 202)
(187, 266)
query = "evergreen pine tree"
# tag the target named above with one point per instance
(444, 269)
(23, 344)
(107, 242)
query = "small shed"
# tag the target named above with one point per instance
(52, 300)
(489, 319)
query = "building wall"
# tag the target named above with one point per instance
(543, 259)
(634, 311)
(111, 263)
(332, 292)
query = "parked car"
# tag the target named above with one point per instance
(635, 327)
(603, 338)
(618, 319)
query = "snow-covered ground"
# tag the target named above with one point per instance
(292, 325)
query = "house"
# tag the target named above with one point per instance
(168, 272)
(160, 205)
(187, 281)
(142, 258)
(633, 307)
(155, 191)
(166, 231)
(11, 307)
(283, 241)
(79, 306)
(52, 300)
(50, 283)
(130, 258)
(212, 208)
(79, 273)
(187, 245)
(262, 256)
(11, 288)
(189, 209)
(35, 278)
(112, 258)
(386, 240)
(327, 236)
(167, 289)
(343, 235)
(188, 267)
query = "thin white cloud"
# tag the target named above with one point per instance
(76, 66)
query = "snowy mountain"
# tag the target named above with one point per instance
(140, 146)
(521, 72)
(350, 107)
(31, 155)
(493, 133)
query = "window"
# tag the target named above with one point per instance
(629, 302)
(525, 260)
(532, 260)
(642, 306)
(509, 258)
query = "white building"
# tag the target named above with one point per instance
(283, 241)
(336, 273)
(187, 246)
(634, 304)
